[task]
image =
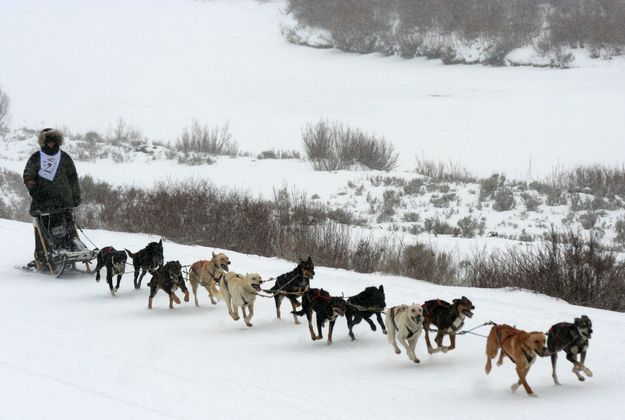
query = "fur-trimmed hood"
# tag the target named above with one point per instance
(50, 134)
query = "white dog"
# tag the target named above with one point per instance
(239, 291)
(405, 322)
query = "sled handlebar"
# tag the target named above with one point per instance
(39, 213)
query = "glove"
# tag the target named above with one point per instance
(30, 184)
(76, 202)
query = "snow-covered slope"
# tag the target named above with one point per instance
(161, 63)
(70, 350)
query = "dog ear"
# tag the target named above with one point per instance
(214, 255)
(381, 288)
(456, 301)
(309, 260)
(160, 242)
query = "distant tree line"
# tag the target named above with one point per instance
(431, 27)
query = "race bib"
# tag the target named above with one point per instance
(49, 165)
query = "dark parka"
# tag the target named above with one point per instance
(63, 191)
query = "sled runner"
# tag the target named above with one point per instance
(57, 243)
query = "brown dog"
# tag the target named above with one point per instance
(520, 346)
(204, 272)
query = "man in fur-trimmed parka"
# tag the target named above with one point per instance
(50, 175)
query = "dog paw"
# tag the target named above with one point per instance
(430, 350)
(588, 372)
(384, 332)
(581, 378)
(514, 387)
(531, 394)
(249, 324)
(444, 349)
(417, 360)
(397, 351)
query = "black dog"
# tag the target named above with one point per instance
(293, 284)
(448, 319)
(115, 263)
(169, 278)
(148, 259)
(326, 307)
(369, 302)
(573, 339)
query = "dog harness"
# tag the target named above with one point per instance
(410, 332)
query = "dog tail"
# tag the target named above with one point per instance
(212, 285)
(130, 254)
(389, 321)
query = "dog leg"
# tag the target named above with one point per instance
(313, 336)
(350, 325)
(378, 316)
(119, 279)
(248, 318)
(277, 298)
(522, 372)
(426, 328)
(319, 328)
(587, 371)
(576, 366)
(452, 345)
(439, 342)
(491, 350)
(502, 356)
(138, 284)
(409, 351)
(330, 328)
(97, 271)
(412, 342)
(210, 292)
(554, 375)
(391, 333)
(371, 324)
(109, 280)
(173, 298)
(294, 306)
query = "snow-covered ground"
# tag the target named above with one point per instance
(70, 350)
(161, 63)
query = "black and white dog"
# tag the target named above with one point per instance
(573, 339)
(293, 284)
(115, 263)
(147, 259)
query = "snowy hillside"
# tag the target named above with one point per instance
(70, 350)
(160, 64)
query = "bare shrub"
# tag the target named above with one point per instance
(279, 154)
(201, 138)
(531, 201)
(333, 146)
(122, 132)
(471, 226)
(420, 261)
(14, 201)
(565, 265)
(439, 227)
(588, 219)
(443, 171)
(619, 227)
(489, 185)
(504, 199)
(4, 110)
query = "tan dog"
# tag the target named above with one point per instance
(406, 323)
(205, 272)
(520, 346)
(238, 291)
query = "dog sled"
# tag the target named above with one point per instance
(58, 245)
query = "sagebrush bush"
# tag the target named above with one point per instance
(531, 201)
(566, 265)
(471, 226)
(333, 146)
(443, 171)
(4, 110)
(489, 185)
(201, 138)
(619, 227)
(504, 199)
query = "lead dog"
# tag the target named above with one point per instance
(115, 263)
(238, 291)
(573, 339)
(520, 346)
(405, 323)
(447, 318)
(204, 272)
